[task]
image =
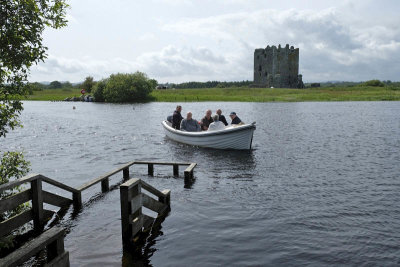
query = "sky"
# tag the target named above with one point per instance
(186, 40)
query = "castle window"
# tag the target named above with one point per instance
(259, 68)
(266, 73)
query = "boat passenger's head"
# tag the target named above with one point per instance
(179, 108)
(232, 115)
(215, 117)
(189, 115)
(219, 112)
(208, 113)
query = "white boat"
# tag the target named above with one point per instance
(232, 137)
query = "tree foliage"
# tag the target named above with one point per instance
(98, 90)
(127, 87)
(21, 27)
(88, 84)
(22, 23)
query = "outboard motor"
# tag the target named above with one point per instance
(169, 118)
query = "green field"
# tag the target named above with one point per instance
(356, 93)
(54, 94)
(365, 93)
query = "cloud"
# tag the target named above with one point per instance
(331, 46)
(334, 45)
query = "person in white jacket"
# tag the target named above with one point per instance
(216, 125)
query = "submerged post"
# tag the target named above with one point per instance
(150, 169)
(176, 170)
(77, 198)
(125, 173)
(105, 185)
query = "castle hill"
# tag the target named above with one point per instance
(199, 133)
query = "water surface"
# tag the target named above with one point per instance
(320, 187)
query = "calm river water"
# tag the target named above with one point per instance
(320, 187)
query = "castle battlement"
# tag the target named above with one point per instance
(277, 67)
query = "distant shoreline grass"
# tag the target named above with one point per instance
(245, 94)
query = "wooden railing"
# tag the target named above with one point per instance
(52, 240)
(38, 196)
(132, 198)
(105, 179)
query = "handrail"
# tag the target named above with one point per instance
(17, 182)
(102, 177)
(162, 163)
(58, 184)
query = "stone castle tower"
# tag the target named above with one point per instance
(277, 67)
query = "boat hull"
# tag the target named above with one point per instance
(233, 137)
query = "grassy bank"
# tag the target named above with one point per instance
(365, 93)
(54, 94)
(356, 93)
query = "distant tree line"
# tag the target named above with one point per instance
(210, 84)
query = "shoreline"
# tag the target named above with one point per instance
(245, 94)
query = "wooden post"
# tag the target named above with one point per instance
(105, 185)
(125, 173)
(77, 197)
(150, 168)
(176, 169)
(37, 204)
(166, 199)
(128, 191)
(125, 212)
(55, 249)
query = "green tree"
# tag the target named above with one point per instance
(88, 84)
(129, 87)
(55, 85)
(21, 28)
(98, 90)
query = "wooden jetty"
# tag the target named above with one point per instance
(133, 221)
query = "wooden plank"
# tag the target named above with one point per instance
(100, 178)
(25, 179)
(162, 163)
(56, 200)
(14, 201)
(136, 203)
(58, 184)
(131, 183)
(13, 223)
(32, 247)
(137, 225)
(37, 204)
(191, 167)
(152, 204)
(147, 222)
(151, 189)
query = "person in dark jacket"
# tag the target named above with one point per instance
(235, 119)
(177, 118)
(206, 120)
(222, 117)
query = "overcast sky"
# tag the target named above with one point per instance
(188, 40)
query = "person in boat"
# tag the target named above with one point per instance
(189, 124)
(216, 125)
(206, 120)
(235, 119)
(221, 117)
(177, 118)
